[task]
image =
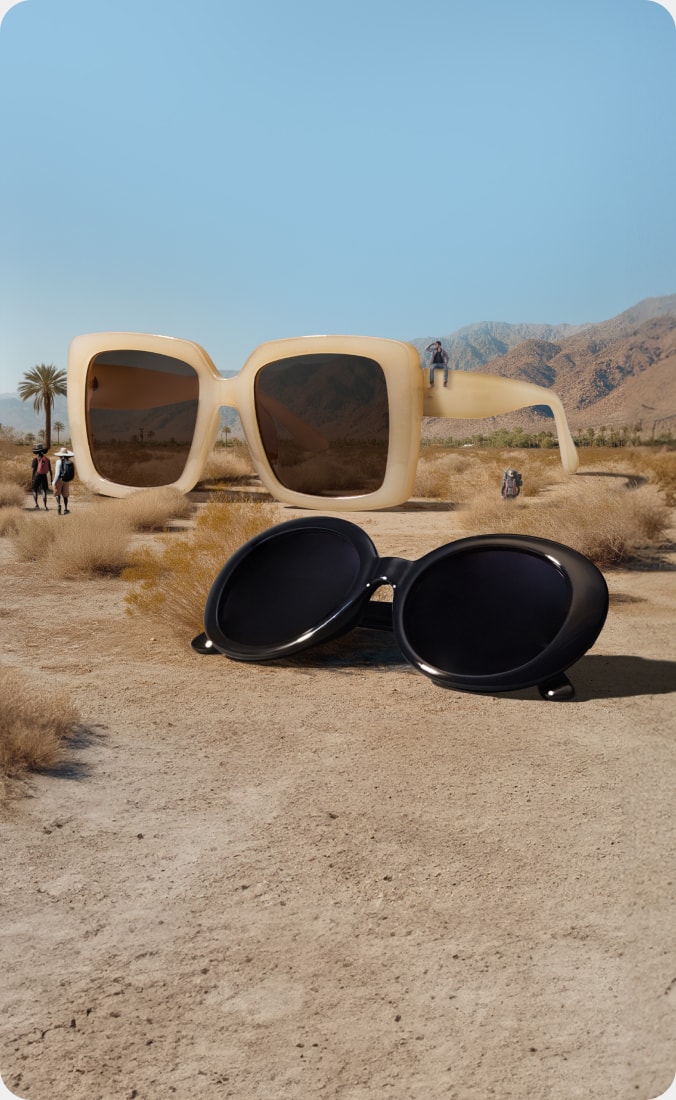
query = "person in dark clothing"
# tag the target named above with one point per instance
(41, 475)
(439, 360)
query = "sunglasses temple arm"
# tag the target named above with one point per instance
(377, 615)
(474, 396)
(559, 689)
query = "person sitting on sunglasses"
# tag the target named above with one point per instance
(439, 359)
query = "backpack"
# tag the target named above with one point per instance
(511, 487)
(67, 470)
(43, 465)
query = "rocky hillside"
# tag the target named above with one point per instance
(615, 373)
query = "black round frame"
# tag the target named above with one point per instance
(583, 621)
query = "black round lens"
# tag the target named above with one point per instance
(482, 612)
(285, 586)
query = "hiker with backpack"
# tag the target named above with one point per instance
(41, 471)
(511, 484)
(63, 475)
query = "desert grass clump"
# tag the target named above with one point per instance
(10, 520)
(607, 524)
(439, 474)
(32, 536)
(11, 495)
(229, 464)
(152, 509)
(33, 726)
(15, 471)
(660, 469)
(95, 543)
(171, 583)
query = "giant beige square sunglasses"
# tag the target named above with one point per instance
(326, 418)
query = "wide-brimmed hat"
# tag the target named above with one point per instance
(64, 453)
(39, 450)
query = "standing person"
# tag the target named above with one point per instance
(41, 469)
(63, 475)
(511, 484)
(439, 359)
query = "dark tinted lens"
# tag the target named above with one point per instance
(286, 586)
(324, 421)
(485, 611)
(141, 413)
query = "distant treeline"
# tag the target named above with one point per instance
(634, 436)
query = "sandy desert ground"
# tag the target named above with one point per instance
(330, 878)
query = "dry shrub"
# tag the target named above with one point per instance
(32, 726)
(11, 495)
(659, 467)
(171, 584)
(10, 520)
(152, 509)
(540, 470)
(91, 544)
(228, 464)
(32, 536)
(608, 524)
(439, 475)
(94, 543)
(15, 471)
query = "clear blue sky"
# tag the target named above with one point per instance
(237, 172)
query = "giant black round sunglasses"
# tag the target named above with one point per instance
(488, 613)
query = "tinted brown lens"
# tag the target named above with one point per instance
(324, 422)
(141, 413)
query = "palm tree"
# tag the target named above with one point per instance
(43, 384)
(58, 428)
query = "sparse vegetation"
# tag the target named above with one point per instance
(95, 543)
(32, 726)
(172, 583)
(228, 464)
(32, 536)
(11, 495)
(152, 509)
(10, 520)
(608, 522)
(15, 468)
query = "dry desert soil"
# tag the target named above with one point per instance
(329, 877)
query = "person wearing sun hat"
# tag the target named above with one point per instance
(63, 475)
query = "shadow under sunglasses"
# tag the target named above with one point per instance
(490, 613)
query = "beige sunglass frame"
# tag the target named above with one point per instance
(468, 395)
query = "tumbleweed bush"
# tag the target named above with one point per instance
(152, 509)
(11, 494)
(608, 522)
(33, 725)
(171, 583)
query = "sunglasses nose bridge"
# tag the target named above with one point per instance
(389, 571)
(227, 393)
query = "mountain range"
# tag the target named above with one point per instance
(615, 373)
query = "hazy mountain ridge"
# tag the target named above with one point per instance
(617, 372)
(614, 373)
(21, 415)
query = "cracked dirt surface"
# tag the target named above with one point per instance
(332, 878)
